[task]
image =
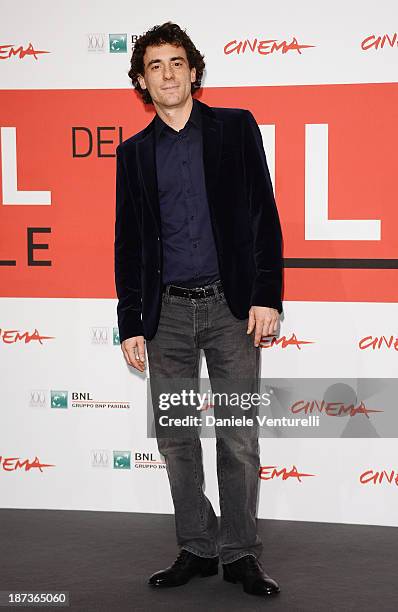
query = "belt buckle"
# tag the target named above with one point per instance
(197, 290)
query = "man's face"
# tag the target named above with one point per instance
(167, 75)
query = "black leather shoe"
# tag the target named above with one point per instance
(183, 569)
(250, 573)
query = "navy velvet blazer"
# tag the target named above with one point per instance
(243, 211)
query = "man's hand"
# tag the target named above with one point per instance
(134, 352)
(264, 320)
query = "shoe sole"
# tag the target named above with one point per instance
(203, 574)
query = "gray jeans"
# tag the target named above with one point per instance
(186, 326)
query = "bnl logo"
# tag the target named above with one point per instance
(122, 460)
(59, 399)
(118, 43)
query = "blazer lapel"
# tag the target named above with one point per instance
(212, 140)
(147, 164)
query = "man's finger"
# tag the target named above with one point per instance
(259, 331)
(274, 326)
(140, 350)
(133, 359)
(126, 356)
(267, 327)
(251, 322)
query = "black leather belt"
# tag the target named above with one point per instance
(196, 292)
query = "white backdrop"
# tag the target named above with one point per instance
(90, 450)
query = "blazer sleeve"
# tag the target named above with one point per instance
(265, 223)
(127, 257)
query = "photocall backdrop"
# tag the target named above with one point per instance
(321, 81)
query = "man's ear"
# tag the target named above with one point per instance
(193, 75)
(141, 81)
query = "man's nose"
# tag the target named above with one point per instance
(167, 72)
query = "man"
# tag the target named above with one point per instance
(198, 265)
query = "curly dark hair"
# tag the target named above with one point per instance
(167, 33)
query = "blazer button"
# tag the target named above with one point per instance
(158, 271)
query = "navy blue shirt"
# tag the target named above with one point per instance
(189, 250)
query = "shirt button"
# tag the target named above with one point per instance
(158, 271)
(192, 217)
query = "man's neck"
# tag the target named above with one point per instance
(175, 117)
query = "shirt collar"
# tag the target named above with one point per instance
(194, 118)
